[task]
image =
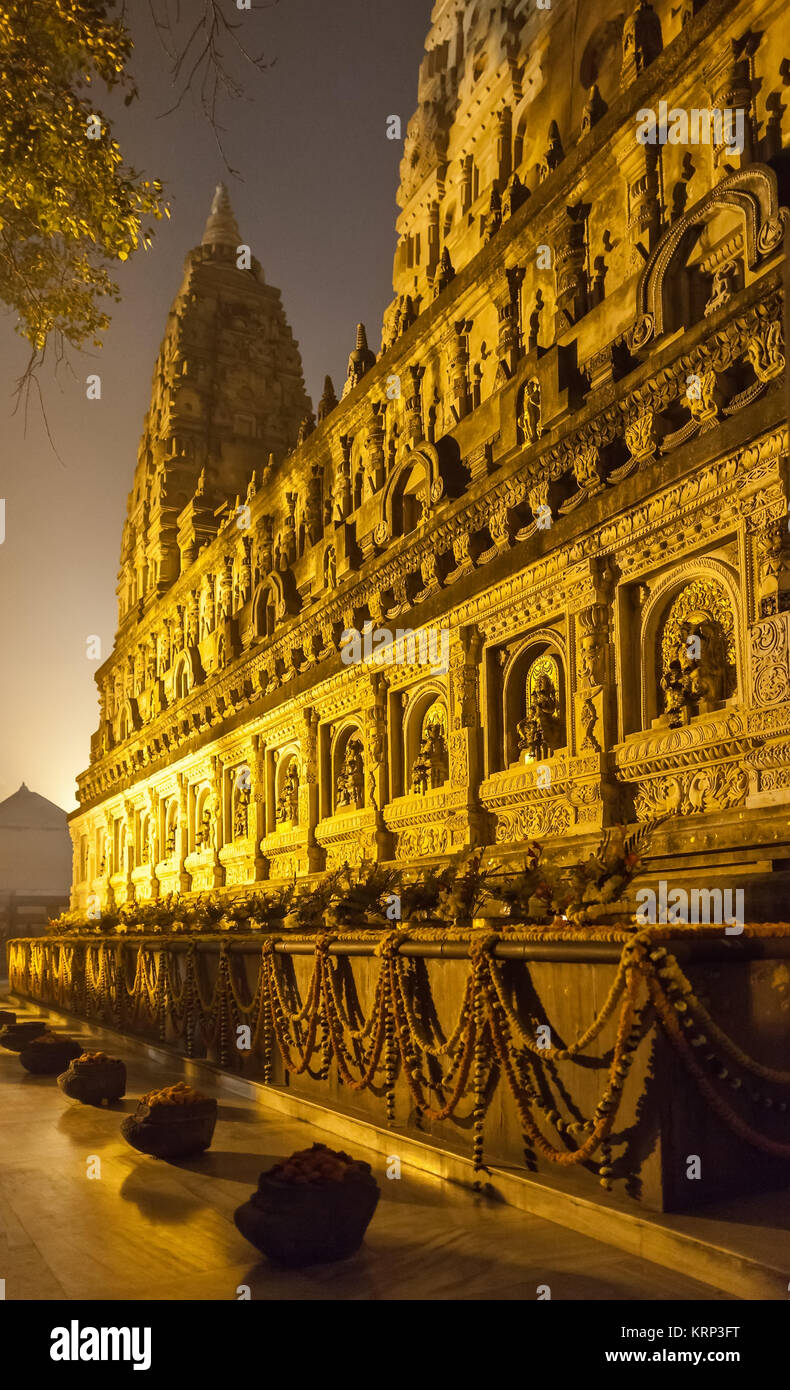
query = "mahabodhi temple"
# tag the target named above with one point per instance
(416, 695)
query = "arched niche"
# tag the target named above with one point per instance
(120, 857)
(171, 827)
(347, 763)
(203, 829)
(693, 617)
(535, 699)
(143, 838)
(274, 600)
(412, 488)
(425, 740)
(746, 201)
(287, 781)
(240, 797)
(187, 673)
(128, 719)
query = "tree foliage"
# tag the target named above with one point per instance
(69, 206)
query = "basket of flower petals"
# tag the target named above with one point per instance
(49, 1053)
(14, 1036)
(171, 1123)
(94, 1078)
(311, 1208)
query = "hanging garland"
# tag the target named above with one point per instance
(447, 1074)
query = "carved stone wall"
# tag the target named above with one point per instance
(578, 413)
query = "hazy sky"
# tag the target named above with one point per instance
(317, 205)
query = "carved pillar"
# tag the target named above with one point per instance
(457, 348)
(257, 808)
(508, 306)
(433, 238)
(466, 185)
(568, 234)
(344, 472)
(413, 427)
(640, 167)
(128, 812)
(772, 555)
(729, 84)
(375, 443)
(376, 764)
(594, 702)
(218, 838)
(465, 737)
(504, 147)
(182, 834)
(192, 618)
(289, 540)
(309, 807)
(154, 855)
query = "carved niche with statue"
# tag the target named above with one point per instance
(430, 767)
(350, 782)
(542, 731)
(697, 653)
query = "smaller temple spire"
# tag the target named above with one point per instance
(221, 227)
(360, 361)
(328, 400)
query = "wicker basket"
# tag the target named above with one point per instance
(93, 1082)
(309, 1223)
(171, 1131)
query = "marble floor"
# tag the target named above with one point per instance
(148, 1229)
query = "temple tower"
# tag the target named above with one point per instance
(228, 391)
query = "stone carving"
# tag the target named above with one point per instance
(722, 286)
(241, 804)
(529, 419)
(594, 108)
(350, 782)
(698, 652)
(533, 821)
(689, 793)
(429, 768)
(328, 400)
(642, 42)
(287, 811)
(764, 350)
(360, 361)
(588, 470)
(770, 660)
(640, 436)
(542, 731)
(553, 154)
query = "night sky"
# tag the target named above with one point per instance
(316, 202)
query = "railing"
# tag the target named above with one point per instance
(363, 1010)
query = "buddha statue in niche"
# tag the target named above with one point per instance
(430, 766)
(240, 825)
(287, 811)
(350, 783)
(541, 732)
(695, 679)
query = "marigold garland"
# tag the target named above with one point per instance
(441, 1069)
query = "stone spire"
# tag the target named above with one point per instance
(360, 361)
(221, 228)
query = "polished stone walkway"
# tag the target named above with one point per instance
(147, 1229)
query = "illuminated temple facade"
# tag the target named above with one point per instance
(564, 474)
